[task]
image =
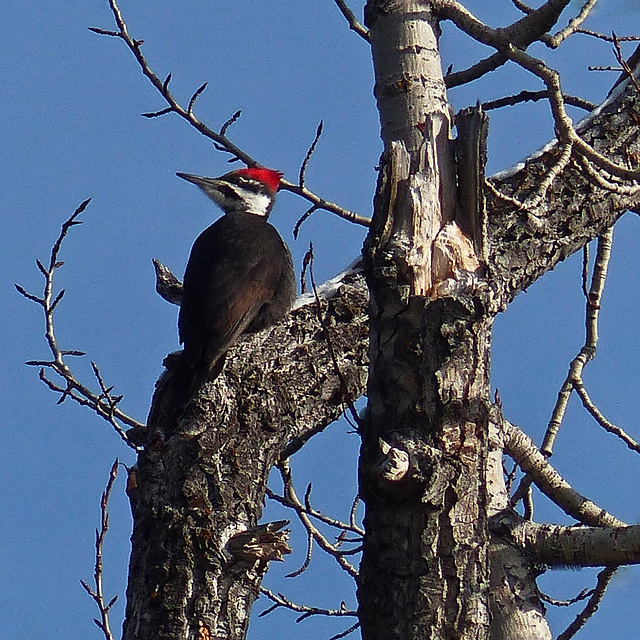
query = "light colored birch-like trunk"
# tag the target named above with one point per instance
(427, 463)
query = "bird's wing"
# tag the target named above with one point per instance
(234, 268)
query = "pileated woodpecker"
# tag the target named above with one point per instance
(239, 277)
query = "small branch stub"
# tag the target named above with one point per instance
(395, 464)
(262, 543)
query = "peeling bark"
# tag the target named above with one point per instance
(424, 571)
(437, 272)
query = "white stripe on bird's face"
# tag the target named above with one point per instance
(233, 198)
(257, 203)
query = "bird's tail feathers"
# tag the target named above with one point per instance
(179, 384)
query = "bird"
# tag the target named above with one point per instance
(239, 277)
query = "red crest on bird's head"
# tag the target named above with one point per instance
(269, 177)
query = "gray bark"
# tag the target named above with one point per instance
(429, 560)
(197, 557)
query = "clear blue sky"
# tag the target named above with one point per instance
(71, 128)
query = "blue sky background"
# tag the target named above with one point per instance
(71, 128)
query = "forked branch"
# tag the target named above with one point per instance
(96, 592)
(221, 141)
(510, 44)
(105, 404)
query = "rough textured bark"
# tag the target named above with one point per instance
(525, 246)
(429, 562)
(424, 571)
(428, 552)
(198, 488)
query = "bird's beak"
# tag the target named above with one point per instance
(210, 186)
(201, 182)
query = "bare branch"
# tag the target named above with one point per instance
(352, 516)
(343, 383)
(626, 68)
(198, 92)
(509, 42)
(298, 507)
(585, 271)
(307, 158)
(475, 71)
(321, 541)
(97, 593)
(523, 450)
(307, 560)
(533, 26)
(234, 118)
(354, 24)
(104, 404)
(307, 611)
(574, 24)
(561, 545)
(599, 417)
(535, 96)
(604, 578)
(583, 595)
(301, 221)
(607, 37)
(525, 8)
(326, 205)
(588, 350)
(534, 200)
(344, 634)
(219, 139)
(156, 114)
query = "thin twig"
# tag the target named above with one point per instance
(222, 142)
(503, 196)
(343, 383)
(352, 516)
(583, 595)
(307, 158)
(197, 93)
(321, 541)
(574, 24)
(606, 37)
(604, 578)
(97, 593)
(623, 63)
(307, 560)
(104, 404)
(314, 513)
(535, 96)
(296, 229)
(234, 118)
(307, 611)
(354, 24)
(533, 201)
(585, 271)
(344, 634)
(599, 417)
(588, 350)
(574, 377)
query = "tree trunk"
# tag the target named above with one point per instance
(438, 271)
(197, 490)
(424, 461)
(424, 571)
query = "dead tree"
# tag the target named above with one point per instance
(444, 554)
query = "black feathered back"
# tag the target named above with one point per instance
(239, 278)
